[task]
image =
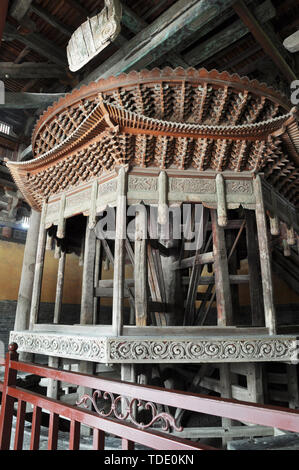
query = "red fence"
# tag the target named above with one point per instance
(121, 419)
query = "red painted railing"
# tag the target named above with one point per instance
(121, 419)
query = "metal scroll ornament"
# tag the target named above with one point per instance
(94, 35)
(130, 408)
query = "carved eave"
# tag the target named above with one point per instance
(169, 119)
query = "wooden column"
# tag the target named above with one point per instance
(221, 201)
(97, 277)
(39, 268)
(27, 276)
(265, 255)
(254, 266)
(59, 287)
(87, 299)
(140, 267)
(226, 392)
(119, 254)
(222, 285)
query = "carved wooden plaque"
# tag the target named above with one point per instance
(94, 35)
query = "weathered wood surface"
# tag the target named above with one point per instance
(59, 287)
(87, 299)
(140, 268)
(261, 36)
(29, 100)
(265, 257)
(27, 276)
(20, 8)
(39, 268)
(94, 35)
(223, 293)
(254, 265)
(119, 254)
(228, 36)
(184, 16)
(37, 43)
(30, 70)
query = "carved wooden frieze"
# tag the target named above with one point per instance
(73, 347)
(159, 350)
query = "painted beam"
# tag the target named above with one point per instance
(227, 36)
(29, 100)
(263, 39)
(37, 43)
(179, 22)
(20, 8)
(30, 70)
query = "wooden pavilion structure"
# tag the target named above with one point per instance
(214, 150)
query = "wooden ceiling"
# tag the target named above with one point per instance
(210, 34)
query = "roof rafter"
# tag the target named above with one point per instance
(177, 23)
(263, 39)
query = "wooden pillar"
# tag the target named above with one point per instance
(254, 267)
(53, 385)
(140, 267)
(226, 392)
(265, 255)
(222, 285)
(221, 201)
(87, 299)
(27, 276)
(39, 268)
(119, 255)
(97, 277)
(59, 286)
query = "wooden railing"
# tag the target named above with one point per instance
(121, 419)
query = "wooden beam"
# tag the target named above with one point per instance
(19, 9)
(179, 22)
(227, 36)
(263, 39)
(37, 43)
(46, 16)
(30, 70)
(3, 13)
(30, 100)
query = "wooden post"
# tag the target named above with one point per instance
(254, 266)
(97, 277)
(221, 201)
(226, 392)
(222, 285)
(86, 316)
(7, 404)
(53, 385)
(39, 268)
(59, 286)
(140, 267)
(27, 276)
(119, 255)
(261, 223)
(61, 219)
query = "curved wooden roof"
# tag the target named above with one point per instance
(161, 118)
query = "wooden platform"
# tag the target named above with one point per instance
(150, 345)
